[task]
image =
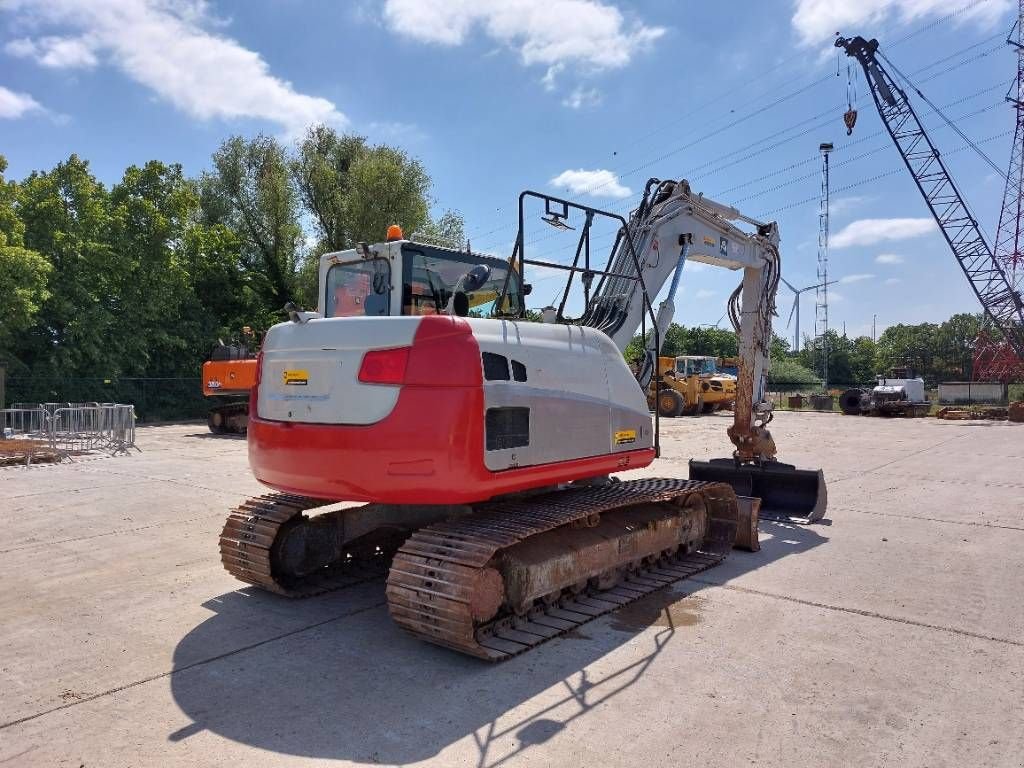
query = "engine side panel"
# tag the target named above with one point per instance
(570, 382)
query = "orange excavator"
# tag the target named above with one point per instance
(228, 376)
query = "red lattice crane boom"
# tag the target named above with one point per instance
(989, 274)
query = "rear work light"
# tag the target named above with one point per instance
(384, 366)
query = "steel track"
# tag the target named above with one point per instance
(434, 576)
(246, 549)
(437, 575)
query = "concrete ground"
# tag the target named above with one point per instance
(893, 635)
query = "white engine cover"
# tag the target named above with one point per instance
(583, 399)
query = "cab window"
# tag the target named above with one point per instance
(431, 277)
(359, 288)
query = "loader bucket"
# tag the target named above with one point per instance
(787, 493)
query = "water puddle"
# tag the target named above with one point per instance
(658, 609)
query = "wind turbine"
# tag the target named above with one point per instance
(796, 307)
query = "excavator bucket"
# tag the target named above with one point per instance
(787, 493)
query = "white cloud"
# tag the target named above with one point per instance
(597, 183)
(14, 104)
(817, 21)
(888, 258)
(548, 81)
(582, 97)
(893, 281)
(840, 205)
(55, 52)
(396, 131)
(704, 293)
(856, 278)
(871, 231)
(166, 46)
(547, 32)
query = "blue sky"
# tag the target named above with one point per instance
(587, 98)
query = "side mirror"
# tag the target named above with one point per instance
(475, 278)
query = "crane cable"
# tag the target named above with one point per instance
(942, 114)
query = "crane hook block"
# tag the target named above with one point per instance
(850, 118)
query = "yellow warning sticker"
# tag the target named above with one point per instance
(296, 378)
(625, 436)
(709, 240)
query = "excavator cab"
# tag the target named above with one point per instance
(414, 279)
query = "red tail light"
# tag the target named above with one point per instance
(384, 366)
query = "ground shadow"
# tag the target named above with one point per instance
(211, 436)
(332, 677)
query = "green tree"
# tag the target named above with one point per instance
(955, 340)
(23, 272)
(220, 284)
(909, 345)
(863, 358)
(353, 191)
(388, 187)
(66, 215)
(786, 372)
(779, 347)
(321, 169)
(160, 327)
(251, 191)
(681, 340)
(840, 357)
(449, 229)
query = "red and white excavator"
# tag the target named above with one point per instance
(483, 445)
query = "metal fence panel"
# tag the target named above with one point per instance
(24, 421)
(73, 428)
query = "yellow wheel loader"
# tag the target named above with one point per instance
(690, 385)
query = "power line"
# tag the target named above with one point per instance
(762, 149)
(876, 177)
(620, 207)
(966, 8)
(765, 216)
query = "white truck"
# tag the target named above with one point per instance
(895, 395)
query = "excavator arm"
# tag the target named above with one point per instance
(671, 226)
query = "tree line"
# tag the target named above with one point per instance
(935, 351)
(143, 277)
